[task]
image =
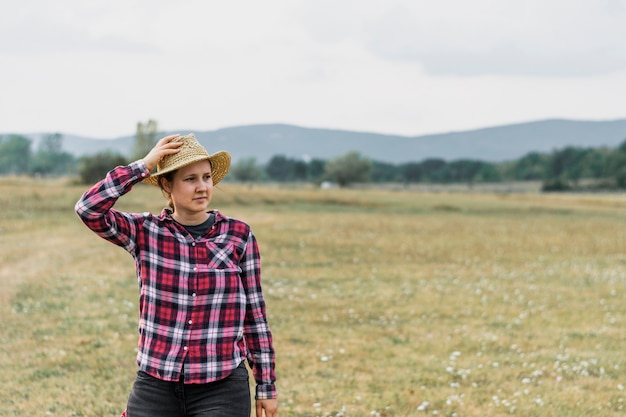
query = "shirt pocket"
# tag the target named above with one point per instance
(219, 274)
(219, 256)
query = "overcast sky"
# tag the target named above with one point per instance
(410, 67)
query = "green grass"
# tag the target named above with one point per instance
(389, 303)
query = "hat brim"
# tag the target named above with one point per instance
(220, 165)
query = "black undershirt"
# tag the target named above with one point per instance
(201, 229)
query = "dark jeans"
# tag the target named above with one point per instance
(152, 397)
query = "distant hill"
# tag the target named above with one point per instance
(493, 144)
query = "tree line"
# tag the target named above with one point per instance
(570, 168)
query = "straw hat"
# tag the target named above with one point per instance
(191, 151)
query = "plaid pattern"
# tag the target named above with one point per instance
(201, 306)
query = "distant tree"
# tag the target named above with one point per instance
(620, 176)
(487, 173)
(93, 168)
(384, 172)
(145, 139)
(348, 168)
(615, 166)
(469, 171)
(594, 163)
(50, 158)
(432, 169)
(246, 170)
(15, 155)
(459, 171)
(279, 168)
(555, 185)
(565, 164)
(531, 167)
(315, 170)
(299, 170)
(52, 143)
(412, 171)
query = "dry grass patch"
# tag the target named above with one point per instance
(384, 303)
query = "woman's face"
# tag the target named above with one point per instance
(191, 189)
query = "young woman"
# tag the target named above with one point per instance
(202, 311)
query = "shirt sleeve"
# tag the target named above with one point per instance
(95, 207)
(261, 355)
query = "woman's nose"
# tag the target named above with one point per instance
(204, 184)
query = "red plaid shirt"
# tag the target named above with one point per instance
(201, 306)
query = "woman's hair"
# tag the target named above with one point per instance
(169, 177)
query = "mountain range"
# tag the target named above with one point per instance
(491, 144)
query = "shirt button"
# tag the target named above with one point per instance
(193, 243)
(185, 348)
(195, 269)
(193, 295)
(190, 321)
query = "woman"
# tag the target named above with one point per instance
(202, 311)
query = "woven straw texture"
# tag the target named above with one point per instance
(191, 152)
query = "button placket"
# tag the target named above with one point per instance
(193, 280)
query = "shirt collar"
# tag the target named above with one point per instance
(166, 215)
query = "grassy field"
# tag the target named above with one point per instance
(382, 303)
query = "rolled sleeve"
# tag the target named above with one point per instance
(258, 335)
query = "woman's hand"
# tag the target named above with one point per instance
(270, 406)
(163, 147)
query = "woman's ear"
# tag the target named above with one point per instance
(165, 185)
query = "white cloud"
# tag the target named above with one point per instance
(455, 37)
(96, 67)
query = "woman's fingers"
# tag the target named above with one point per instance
(165, 146)
(169, 138)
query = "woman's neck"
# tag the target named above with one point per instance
(190, 220)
